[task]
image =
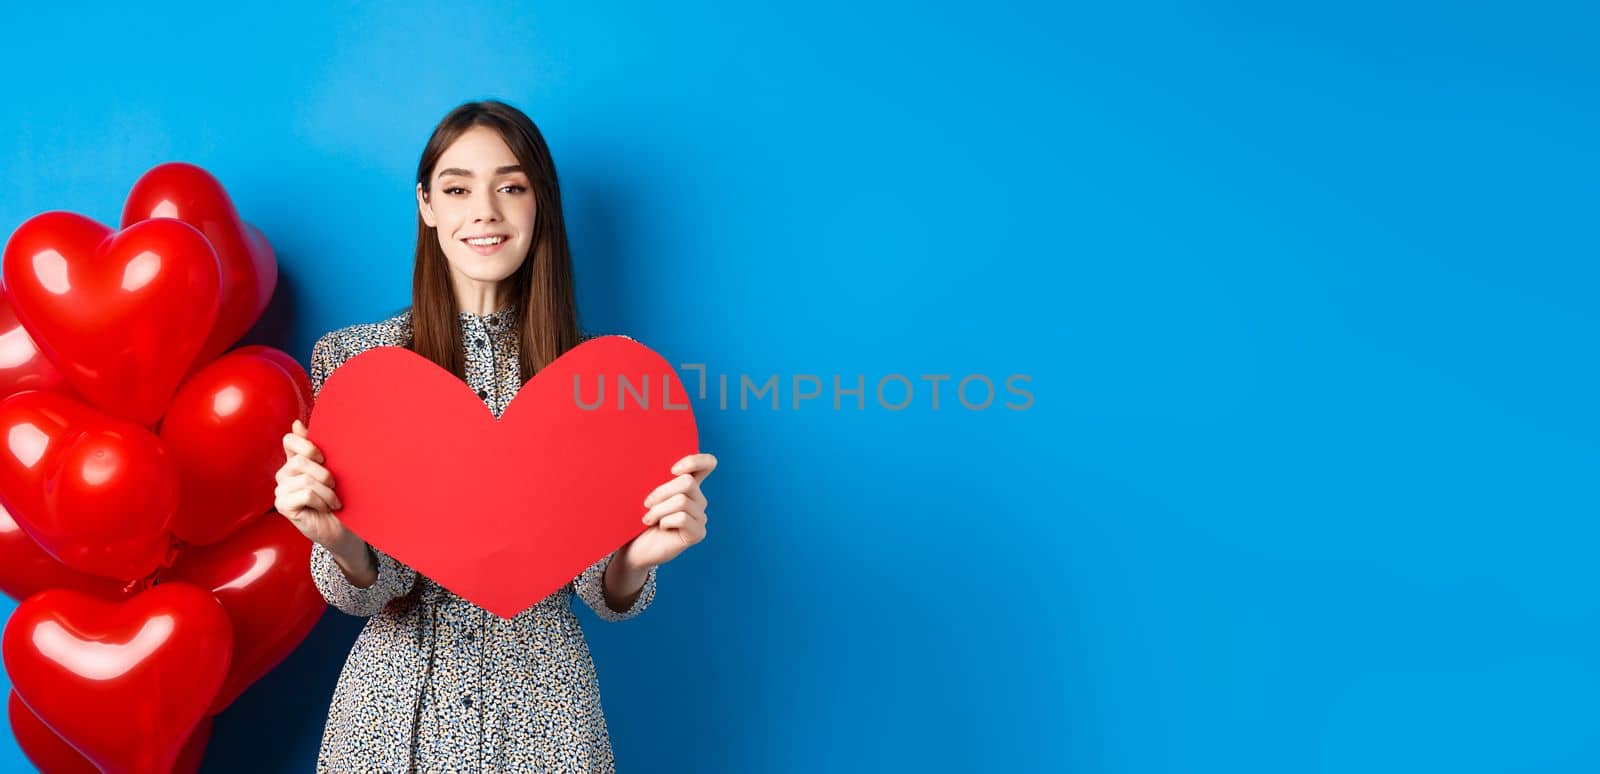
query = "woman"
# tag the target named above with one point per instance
(434, 682)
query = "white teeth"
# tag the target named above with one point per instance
(486, 241)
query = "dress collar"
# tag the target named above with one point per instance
(497, 322)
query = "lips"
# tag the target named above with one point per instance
(489, 249)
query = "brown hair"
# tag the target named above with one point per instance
(542, 287)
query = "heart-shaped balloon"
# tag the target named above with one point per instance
(122, 314)
(225, 429)
(43, 748)
(51, 754)
(96, 492)
(259, 575)
(249, 269)
(25, 568)
(302, 380)
(22, 365)
(194, 750)
(125, 683)
(501, 512)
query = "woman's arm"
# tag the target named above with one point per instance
(615, 591)
(622, 584)
(389, 581)
(355, 560)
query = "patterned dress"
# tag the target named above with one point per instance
(436, 683)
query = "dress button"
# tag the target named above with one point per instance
(481, 343)
(483, 394)
(466, 701)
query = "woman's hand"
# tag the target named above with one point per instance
(305, 493)
(676, 515)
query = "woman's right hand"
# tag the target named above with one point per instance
(305, 493)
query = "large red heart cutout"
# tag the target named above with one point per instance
(502, 513)
(126, 683)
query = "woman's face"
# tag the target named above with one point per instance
(482, 206)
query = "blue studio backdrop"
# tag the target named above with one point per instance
(1303, 298)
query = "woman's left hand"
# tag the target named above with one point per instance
(676, 515)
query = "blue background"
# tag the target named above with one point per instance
(1306, 296)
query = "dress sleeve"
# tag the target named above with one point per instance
(394, 579)
(589, 587)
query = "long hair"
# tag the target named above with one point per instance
(542, 287)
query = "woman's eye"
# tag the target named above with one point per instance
(450, 190)
(514, 188)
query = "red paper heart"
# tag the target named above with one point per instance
(122, 314)
(249, 269)
(502, 513)
(125, 683)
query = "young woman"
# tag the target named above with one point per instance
(434, 682)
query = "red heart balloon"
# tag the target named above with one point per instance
(51, 754)
(25, 568)
(225, 429)
(249, 269)
(302, 380)
(22, 365)
(194, 750)
(125, 683)
(259, 575)
(122, 314)
(43, 748)
(95, 492)
(501, 513)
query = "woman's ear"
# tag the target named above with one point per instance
(424, 208)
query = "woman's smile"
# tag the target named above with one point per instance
(486, 245)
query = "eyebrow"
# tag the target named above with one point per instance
(468, 172)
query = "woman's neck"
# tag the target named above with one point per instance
(481, 303)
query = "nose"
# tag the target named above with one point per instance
(484, 209)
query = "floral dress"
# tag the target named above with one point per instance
(436, 683)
